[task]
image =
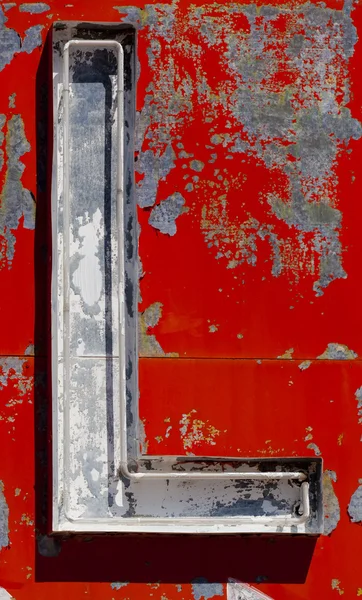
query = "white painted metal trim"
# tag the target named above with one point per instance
(197, 524)
(66, 223)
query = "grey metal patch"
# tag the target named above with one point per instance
(315, 449)
(332, 512)
(34, 7)
(147, 342)
(154, 167)
(358, 395)
(355, 505)
(4, 519)
(12, 100)
(12, 370)
(156, 16)
(15, 200)
(305, 365)
(337, 352)
(2, 123)
(164, 215)
(10, 42)
(32, 39)
(202, 589)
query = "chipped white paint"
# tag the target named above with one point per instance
(88, 276)
(243, 591)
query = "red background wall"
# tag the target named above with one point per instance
(250, 328)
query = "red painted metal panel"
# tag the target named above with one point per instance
(242, 408)
(201, 304)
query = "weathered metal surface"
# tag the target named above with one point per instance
(251, 113)
(95, 454)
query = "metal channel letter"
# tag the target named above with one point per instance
(95, 489)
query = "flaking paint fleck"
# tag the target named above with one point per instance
(154, 166)
(147, 342)
(12, 100)
(358, 395)
(4, 519)
(288, 354)
(305, 365)
(315, 449)
(197, 165)
(337, 352)
(355, 506)
(16, 202)
(131, 15)
(32, 39)
(142, 438)
(27, 520)
(34, 7)
(332, 513)
(195, 432)
(10, 42)
(2, 123)
(13, 371)
(336, 585)
(163, 216)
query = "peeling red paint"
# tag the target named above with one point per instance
(238, 361)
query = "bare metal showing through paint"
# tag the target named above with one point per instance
(301, 139)
(11, 42)
(355, 505)
(16, 201)
(4, 519)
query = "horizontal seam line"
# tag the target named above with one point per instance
(290, 360)
(264, 358)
